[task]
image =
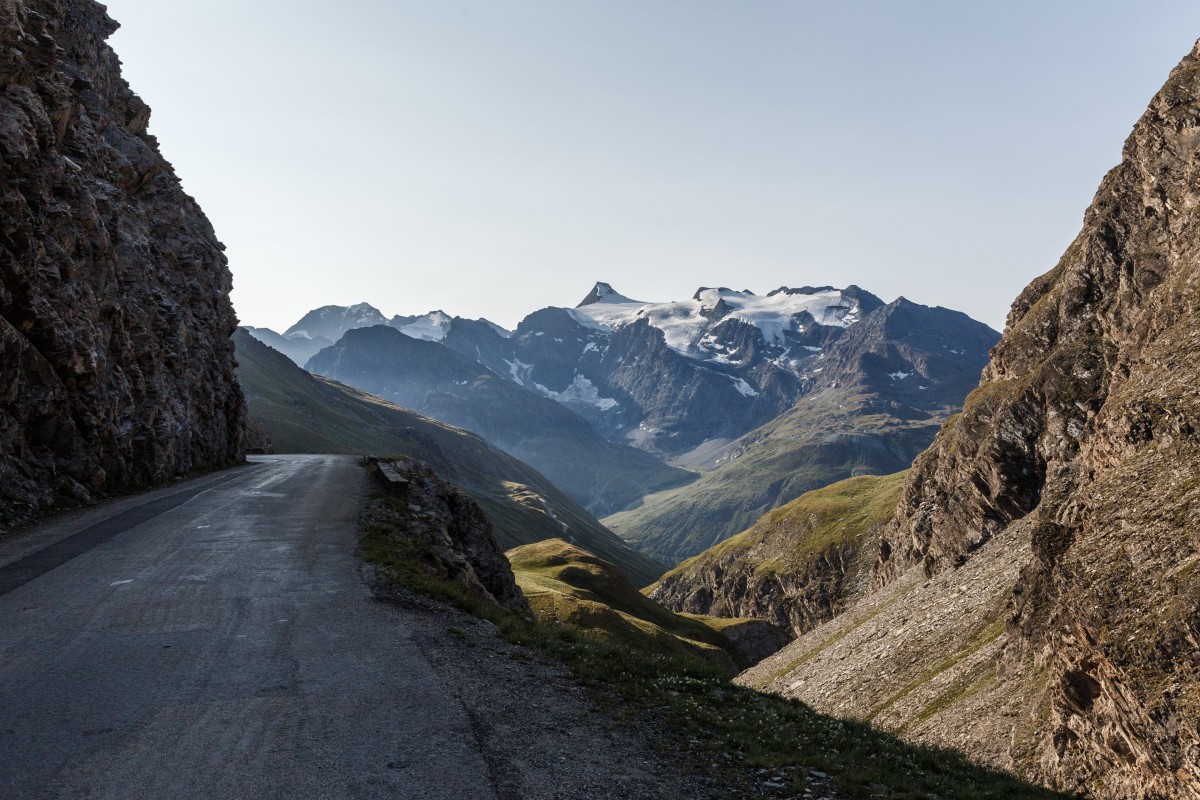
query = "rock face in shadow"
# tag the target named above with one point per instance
(1074, 467)
(116, 368)
(428, 524)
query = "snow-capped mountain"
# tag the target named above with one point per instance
(325, 326)
(784, 318)
(681, 379)
(673, 377)
(768, 395)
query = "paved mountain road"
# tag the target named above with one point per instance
(222, 647)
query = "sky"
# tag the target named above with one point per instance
(491, 158)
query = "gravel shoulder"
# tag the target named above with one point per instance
(543, 735)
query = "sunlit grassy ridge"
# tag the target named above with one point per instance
(568, 586)
(789, 537)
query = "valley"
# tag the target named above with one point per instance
(802, 542)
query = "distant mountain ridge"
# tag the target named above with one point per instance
(325, 326)
(303, 413)
(666, 377)
(883, 390)
(430, 379)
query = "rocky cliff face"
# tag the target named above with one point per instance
(1076, 460)
(116, 368)
(423, 523)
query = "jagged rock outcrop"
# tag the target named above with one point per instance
(116, 368)
(423, 523)
(799, 566)
(1074, 463)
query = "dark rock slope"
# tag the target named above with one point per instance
(116, 368)
(1075, 462)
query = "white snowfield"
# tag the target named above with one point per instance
(684, 325)
(581, 390)
(431, 327)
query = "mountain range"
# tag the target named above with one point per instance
(683, 421)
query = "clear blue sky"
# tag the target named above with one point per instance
(491, 158)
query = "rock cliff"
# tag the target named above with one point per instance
(1073, 471)
(116, 368)
(421, 523)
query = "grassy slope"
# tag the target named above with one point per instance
(305, 414)
(826, 437)
(709, 723)
(566, 585)
(790, 537)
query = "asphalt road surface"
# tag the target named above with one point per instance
(214, 640)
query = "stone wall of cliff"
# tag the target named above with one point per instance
(116, 366)
(1087, 427)
(421, 527)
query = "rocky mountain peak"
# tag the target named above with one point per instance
(604, 293)
(330, 322)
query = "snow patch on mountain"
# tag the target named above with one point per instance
(685, 323)
(744, 388)
(431, 327)
(581, 390)
(516, 367)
